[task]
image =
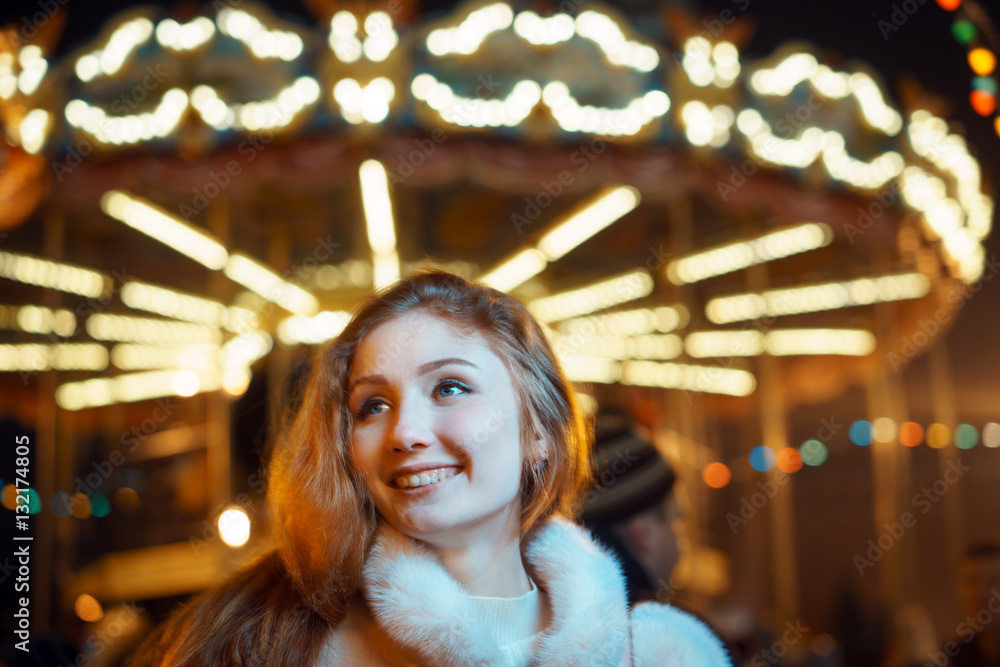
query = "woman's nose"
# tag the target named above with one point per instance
(413, 425)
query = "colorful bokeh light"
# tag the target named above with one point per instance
(717, 475)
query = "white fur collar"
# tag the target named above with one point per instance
(416, 602)
(420, 605)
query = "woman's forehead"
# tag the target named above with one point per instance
(417, 337)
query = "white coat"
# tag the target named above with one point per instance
(410, 612)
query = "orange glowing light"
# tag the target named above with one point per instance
(716, 475)
(982, 102)
(949, 5)
(911, 434)
(789, 460)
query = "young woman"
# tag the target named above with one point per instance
(422, 499)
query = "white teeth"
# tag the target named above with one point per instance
(424, 478)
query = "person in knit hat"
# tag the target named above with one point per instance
(634, 508)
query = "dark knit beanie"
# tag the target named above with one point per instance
(629, 473)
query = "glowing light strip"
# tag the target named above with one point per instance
(662, 319)
(55, 275)
(608, 207)
(131, 128)
(62, 357)
(708, 379)
(812, 143)
(130, 356)
(126, 39)
(513, 272)
(960, 224)
(604, 294)
(799, 67)
(171, 303)
(38, 319)
(263, 43)
(572, 117)
(299, 330)
(469, 35)
(645, 346)
(780, 342)
(619, 50)
(473, 111)
(379, 222)
(742, 254)
(815, 298)
(263, 281)
(135, 387)
(165, 228)
(151, 331)
(269, 114)
(184, 36)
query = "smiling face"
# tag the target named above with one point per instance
(432, 404)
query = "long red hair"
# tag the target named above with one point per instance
(323, 521)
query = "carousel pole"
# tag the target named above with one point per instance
(45, 451)
(885, 465)
(774, 435)
(944, 407)
(217, 409)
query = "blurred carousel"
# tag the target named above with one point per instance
(190, 202)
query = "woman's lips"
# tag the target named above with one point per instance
(425, 477)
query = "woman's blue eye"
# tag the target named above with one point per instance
(452, 384)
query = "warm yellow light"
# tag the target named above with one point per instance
(982, 61)
(164, 227)
(62, 357)
(709, 379)
(515, 271)
(597, 296)
(263, 281)
(379, 221)
(234, 527)
(312, 330)
(608, 207)
(55, 275)
(88, 609)
(150, 331)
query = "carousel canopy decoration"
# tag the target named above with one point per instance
(222, 78)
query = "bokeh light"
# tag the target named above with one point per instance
(813, 453)
(234, 527)
(938, 436)
(983, 103)
(762, 458)
(789, 460)
(987, 83)
(966, 436)
(88, 608)
(949, 5)
(9, 497)
(717, 475)
(80, 506)
(861, 433)
(884, 430)
(911, 434)
(126, 499)
(991, 435)
(99, 505)
(963, 31)
(982, 61)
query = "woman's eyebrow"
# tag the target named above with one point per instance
(423, 370)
